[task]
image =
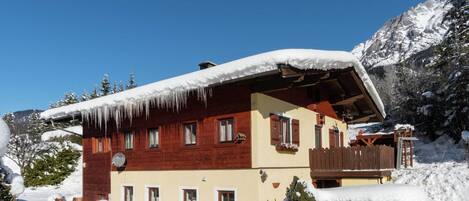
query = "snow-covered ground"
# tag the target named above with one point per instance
(70, 187)
(439, 169)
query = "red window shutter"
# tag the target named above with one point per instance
(274, 129)
(331, 138)
(341, 139)
(295, 131)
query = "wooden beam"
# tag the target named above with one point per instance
(370, 102)
(347, 100)
(362, 119)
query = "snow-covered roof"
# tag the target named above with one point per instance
(60, 133)
(173, 92)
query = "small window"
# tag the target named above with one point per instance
(226, 130)
(285, 130)
(318, 136)
(128, 193)
(226, 196)
(190, 195)
(337, 137)
(153, 138)
(129, 140)
(100, 144)
(190, 134)
(153, 194)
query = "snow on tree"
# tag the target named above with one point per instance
(94, 93)
(131, 83)
(25, 145)
(85, 96)
(11, 185)
(69, 98)
(105, 85)
(456, 60)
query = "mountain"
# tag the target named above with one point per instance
(415, 30)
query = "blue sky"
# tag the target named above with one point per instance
(50, 47)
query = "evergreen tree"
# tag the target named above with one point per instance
(95, 93)
(121, 86)
(297, 191)
(5, 194)
(115, 89)
(105, 85)
(85, 96)
(131, 83)
(454, 57)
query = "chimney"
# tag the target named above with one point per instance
(206, 64)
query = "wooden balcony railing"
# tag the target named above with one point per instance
(343, 161)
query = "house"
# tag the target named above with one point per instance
(237, 131)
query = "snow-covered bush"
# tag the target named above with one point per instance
(52, 168)
(11, 185)
(297, 191)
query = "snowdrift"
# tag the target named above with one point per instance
(383, 192)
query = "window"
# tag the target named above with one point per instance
(153, 138)
(190, 134)
(189, 195)
(317, 136)
(129, 140)
(100, 144)
(226, 196)
(128, 193)
(226, 130)
(337, 137)
(285, 131)
(153, 194)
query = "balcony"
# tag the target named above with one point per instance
(352, 162)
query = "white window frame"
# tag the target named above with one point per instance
(157, 139)
(132, 140)
(122, 198)
(147, 191)
(221, 129)
(217, 189)
(181, 192)
(191, 141)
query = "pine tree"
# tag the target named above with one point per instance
(115, 89)
(95, 93)
(105, 85)
(85, 96)
(131, 83)
(454, 58)
(5, 194)
(121, 86)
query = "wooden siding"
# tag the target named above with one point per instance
(355, 160)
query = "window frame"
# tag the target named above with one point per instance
(219, 129)
(221, 192)
(157, 138)
(132, 134)
(288, 130)
(183, 189)
(217, 190)
(191, 143)
(316, 134)
(147, 192)
(124, 192)
(100, 144)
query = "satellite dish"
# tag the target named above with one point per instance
(118, 160)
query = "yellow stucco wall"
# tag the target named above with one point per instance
(171, 183)
(263, 153)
